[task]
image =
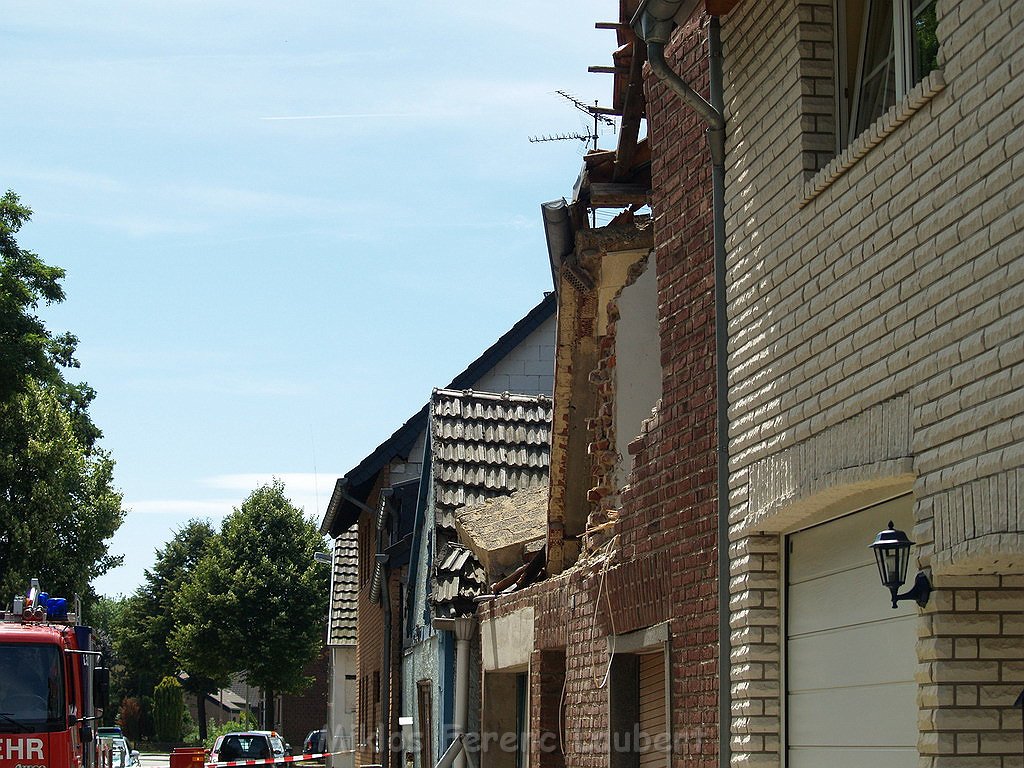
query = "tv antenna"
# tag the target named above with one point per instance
(593, 112)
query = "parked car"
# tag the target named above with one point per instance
(124, 756)
(248, 745)
(315, 743)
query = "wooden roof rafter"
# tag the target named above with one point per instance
(633, 109)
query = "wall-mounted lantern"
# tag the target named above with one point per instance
(892, 554)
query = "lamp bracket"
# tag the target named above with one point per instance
(919, 593)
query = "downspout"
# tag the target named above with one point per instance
(387, 755)
(384, 594)
(716, 138)
(655, 19)
(463, 634)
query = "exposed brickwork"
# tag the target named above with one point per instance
(660, 563)
(604, 494)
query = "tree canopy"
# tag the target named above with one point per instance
(256, 602)
(148, 619)
(58, 506)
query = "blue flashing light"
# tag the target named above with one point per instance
(57, 608)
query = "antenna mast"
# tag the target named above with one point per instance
(594, 112)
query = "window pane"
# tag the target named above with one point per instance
(923, 40)
(877, 87)
(31, 687)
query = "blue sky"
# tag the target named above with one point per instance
(283, 223)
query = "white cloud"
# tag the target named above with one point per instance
(307, 490)
(185, 507)
(341, 117)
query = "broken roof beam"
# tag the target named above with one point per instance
(603, 70)
(633, 108)
(617, 195)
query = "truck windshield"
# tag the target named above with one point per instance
(31, 687)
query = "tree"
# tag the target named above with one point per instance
(57, 502)
(168, 710)
(149, 619)
(256, 603)
(27, 348)
(107, 617)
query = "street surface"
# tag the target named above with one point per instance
(154, 761)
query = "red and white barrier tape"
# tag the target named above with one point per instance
(269, 760)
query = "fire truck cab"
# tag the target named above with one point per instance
(51, 686)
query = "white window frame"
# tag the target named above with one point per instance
(849, 93)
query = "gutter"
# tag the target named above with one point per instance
(558, 234)
(653, 23)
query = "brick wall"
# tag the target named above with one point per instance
(876, 301)
(669, 513)
(660, 563)
(369, 646)
(972, 671)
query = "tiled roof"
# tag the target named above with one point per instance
(486, 445)
(458, 578)
(360, 479)
(344, 589)
(483, 446)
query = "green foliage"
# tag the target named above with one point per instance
(107, 619)
(926, 41)
(28, 350)
(257, 601)
(168, 710)
(142, 641)
(57, 503)
(244, 722)
(189, 729)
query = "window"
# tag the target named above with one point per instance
(31, 687)
(424, 710)
(638, 699)
(885, 48)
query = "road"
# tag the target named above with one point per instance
(154, 761)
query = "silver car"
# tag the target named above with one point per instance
(124, 757)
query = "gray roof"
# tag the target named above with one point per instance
(344, 589)
(485, 445)
(458, 578)
(360, 479)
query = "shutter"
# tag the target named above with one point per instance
(652, 717)
(850, 657)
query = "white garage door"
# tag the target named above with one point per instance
(850, 657)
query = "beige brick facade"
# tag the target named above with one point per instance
(876, 313)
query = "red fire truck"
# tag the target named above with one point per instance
(51, 685)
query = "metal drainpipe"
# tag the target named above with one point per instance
(385, 678)
(385, 598)
(655, 32)
(463, 635)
